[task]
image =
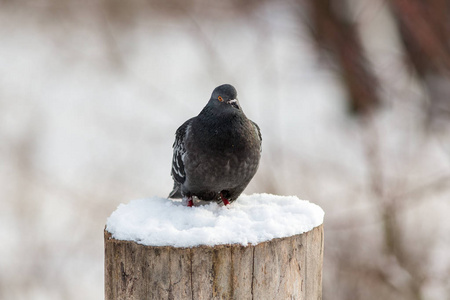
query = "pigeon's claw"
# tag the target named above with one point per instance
(224, 200)
(188, 201)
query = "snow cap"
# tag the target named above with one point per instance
(250, 220)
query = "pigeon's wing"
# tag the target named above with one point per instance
(258, 131)
(178, 172)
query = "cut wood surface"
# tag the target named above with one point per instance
(284, 268)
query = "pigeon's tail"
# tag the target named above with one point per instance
(176, 192)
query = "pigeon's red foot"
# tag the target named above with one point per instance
(188, 201)
(224, 200)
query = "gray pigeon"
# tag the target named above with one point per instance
(215, 154)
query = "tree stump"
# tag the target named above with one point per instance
(282, 268)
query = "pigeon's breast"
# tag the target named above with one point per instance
(221, 157)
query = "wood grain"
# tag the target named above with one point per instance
(285, 268)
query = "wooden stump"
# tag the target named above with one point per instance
(285, 268)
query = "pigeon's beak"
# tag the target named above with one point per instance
(234, 103)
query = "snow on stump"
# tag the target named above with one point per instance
(259, 247)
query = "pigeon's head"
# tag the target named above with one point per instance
(225, 96)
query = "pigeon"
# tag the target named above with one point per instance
(217, 153)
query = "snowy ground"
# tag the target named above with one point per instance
(89, 110)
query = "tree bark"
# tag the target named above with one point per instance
(285, 268)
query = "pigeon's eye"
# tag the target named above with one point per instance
(220, 98)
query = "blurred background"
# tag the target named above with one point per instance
(352, 97)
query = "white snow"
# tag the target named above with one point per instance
(249, 220)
